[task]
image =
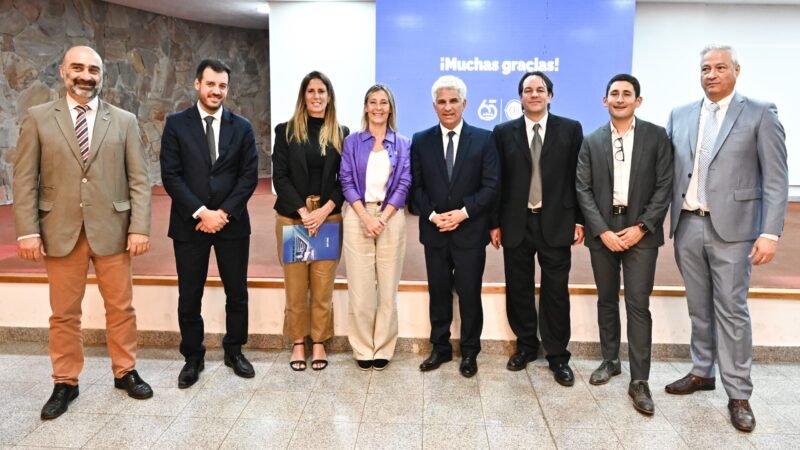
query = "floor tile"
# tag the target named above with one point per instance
(193, 433)
(775, 441)
(13, 390)
(651, 440)
(131, 432)
(393, 408)
(503, 438)
(778, 392)
(454, 437)
(14, 426)
(165, 402)
(693, 414)
(583, 439)
(389, 436)
(391, 381)
(224, 378)
(280, 377)
(768, 418)
(259, 434)
(276, 405)
(620, 413)
(564, 412)
(209, 402)
(70, 430)
(324, 435)
(729, 440)
(789, 412)
(455, 409)
(97, 399)
(505, 384)
(334, 407)
(349, 379)
(167, 377)
(512, 412)
(448, 382)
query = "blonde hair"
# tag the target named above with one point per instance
(331, 132)
(391, 122)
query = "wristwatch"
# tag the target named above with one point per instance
(643, 227)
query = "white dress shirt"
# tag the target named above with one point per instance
(622, 169)
(529, 132)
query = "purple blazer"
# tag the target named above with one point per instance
(353, 169)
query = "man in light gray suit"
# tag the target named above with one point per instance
(728, 206)
(624, 184)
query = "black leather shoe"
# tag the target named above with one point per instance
(520, 360)
(563, 374)
(134, 385)
(469, 366)
(639, 392)
(380, 364)
(607, 369)
(241, 366)
(56, 405)
(190, 373)
(365, 364)
(435, 360)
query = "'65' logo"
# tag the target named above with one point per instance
(487, 110)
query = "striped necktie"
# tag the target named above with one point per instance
(82, 131)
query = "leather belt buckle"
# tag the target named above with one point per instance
(535, 210)
(699, 212)
(619, 210)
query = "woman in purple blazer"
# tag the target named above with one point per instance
(375, 175)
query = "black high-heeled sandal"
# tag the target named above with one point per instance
(299, 365)
(323, 363)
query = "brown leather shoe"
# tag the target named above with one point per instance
(690, 384)
(742, 416)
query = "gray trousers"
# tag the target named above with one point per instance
(717, 276)
(638, 270)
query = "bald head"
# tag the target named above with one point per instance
(82, 72)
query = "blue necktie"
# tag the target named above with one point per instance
(710, 131)
(449, 156)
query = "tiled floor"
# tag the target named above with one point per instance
(342, 407)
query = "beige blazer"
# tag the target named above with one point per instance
(55, 193)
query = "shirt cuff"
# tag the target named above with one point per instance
(28, 236)
(771, 237)
(579, 225)
(199, 210)
(430, 218)
(464, 210)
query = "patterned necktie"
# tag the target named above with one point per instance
(710, 131)
(535, 191)
(212, 150)
(82, 131)
(449, 156)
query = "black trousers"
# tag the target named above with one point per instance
(638, 270)
(553, 318)
(462, 269)
(191, 259)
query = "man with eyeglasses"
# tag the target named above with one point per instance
(624, 183)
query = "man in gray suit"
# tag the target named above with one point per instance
(728, 205)
(624, 182)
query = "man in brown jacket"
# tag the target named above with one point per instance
(82, 193)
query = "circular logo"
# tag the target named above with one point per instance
(513, 109)
(487, 110)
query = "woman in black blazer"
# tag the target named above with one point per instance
(305, 167)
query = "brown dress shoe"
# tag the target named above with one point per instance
(690, 384)
(742, 416)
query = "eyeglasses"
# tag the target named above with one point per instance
(619, 154)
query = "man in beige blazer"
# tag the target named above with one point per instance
(82, 193)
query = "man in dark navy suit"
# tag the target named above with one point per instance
(455, 178)
(209, 167)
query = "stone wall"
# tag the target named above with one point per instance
(149, 59)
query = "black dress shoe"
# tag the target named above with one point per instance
(639, 392)
(241, 366)
(469, 366)
(190, 373)
(563, 374)
(134, 385)
(380, 364)
(56, 405)
(520, 360)
(365, 364)
(435, 360)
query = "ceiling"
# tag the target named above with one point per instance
(232, 13)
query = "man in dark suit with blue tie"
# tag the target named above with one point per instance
(209, 167)
(730, 191)
(455, 178)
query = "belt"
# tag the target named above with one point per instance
(697, 212)
(535, 210)
(619, 210)
(375, 203)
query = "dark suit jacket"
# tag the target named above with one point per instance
(649, 186)
(192, 182)
(474, 185)
(560, 212)
(290, 175)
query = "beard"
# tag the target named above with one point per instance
(86, 90)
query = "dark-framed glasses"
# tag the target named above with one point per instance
(619, 154)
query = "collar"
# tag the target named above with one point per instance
(365, 135)
(93, 103)
(203, 114)
(457, 128)
(614, 132)
(722, 103)
(543, 121)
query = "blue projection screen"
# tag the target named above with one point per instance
(490, 43)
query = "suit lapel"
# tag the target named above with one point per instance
(550, 136)
(197, 132)
(225, 134)
(461, 152)
(102, 120)
(734, 109)
(436, 144)
(64, 121)
(608, 150)
(694, 127)
(521, 140)
(639, 138)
